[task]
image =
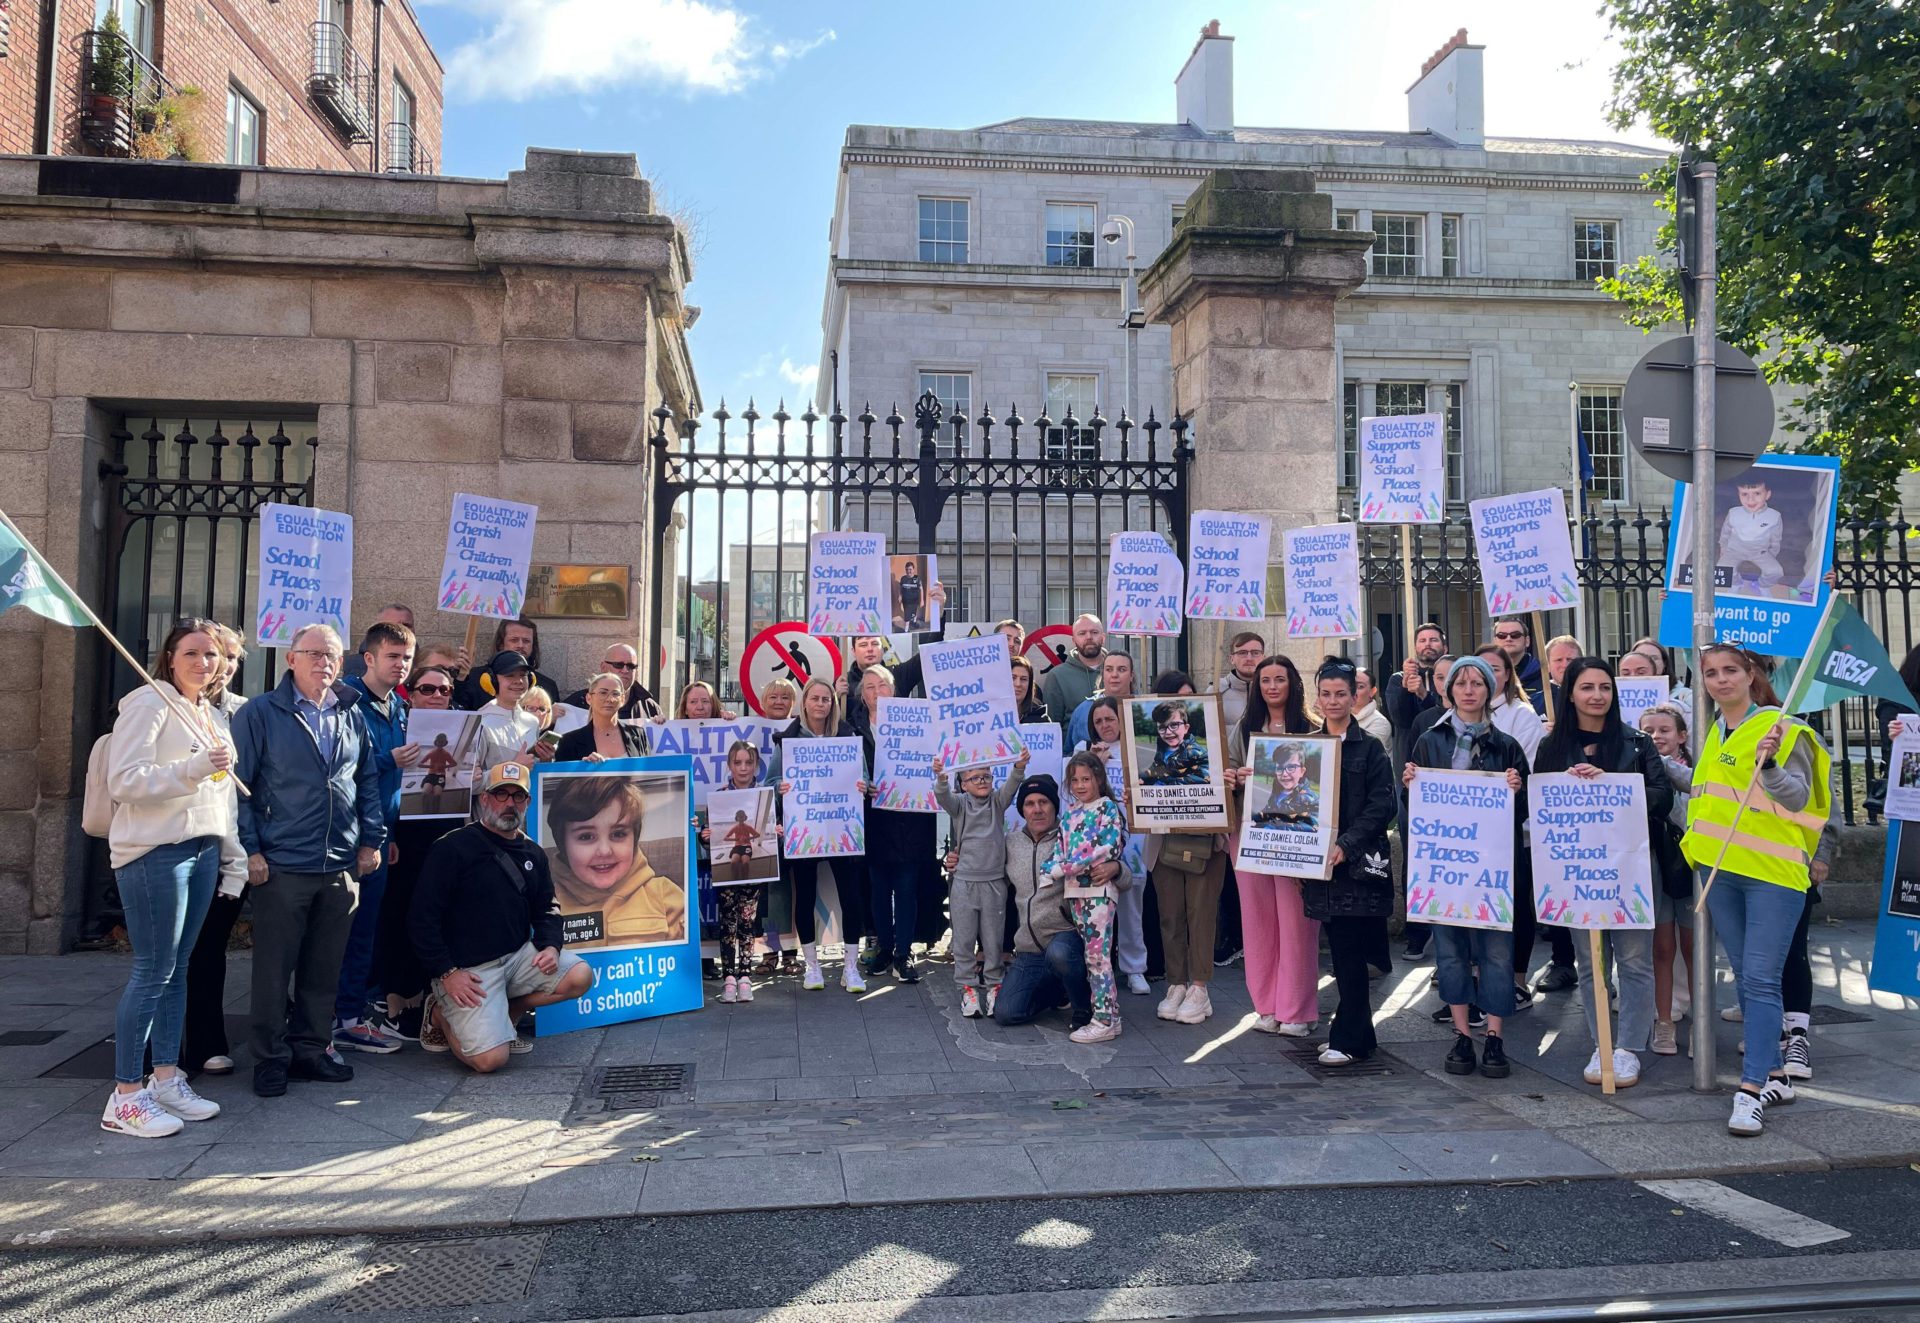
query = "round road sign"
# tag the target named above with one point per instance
(786, 652)
(1046, 646)
(1656, 407)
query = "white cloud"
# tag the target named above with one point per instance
(802, 376)
(533, 47)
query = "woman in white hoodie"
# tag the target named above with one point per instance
(1512, 712)
(174, 828)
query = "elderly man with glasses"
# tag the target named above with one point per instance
(313, 827)
(624, 662)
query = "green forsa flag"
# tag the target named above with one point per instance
(26, 581)
(1846, 660)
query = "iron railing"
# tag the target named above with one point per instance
(120, 92)
(341, 83)
(405, 153)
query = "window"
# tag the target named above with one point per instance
(1075, 392)
(1396, 247)
(243, 129)
(136, 20)
(1596, 249)
(1456, 444)
(403, 151)
(1449, 245)
(1179, 214)
(1350, 435)
(943, 229)
(1606, 436)
(1346, 220)
(1394, 399)
(1070, 230)
(761, 605)
(954, 390)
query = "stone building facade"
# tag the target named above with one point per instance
(429, 335)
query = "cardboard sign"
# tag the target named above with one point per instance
(846, 584)
(1403, 469)
(743, 838)
(1896, 934)
(1460, 849)
(489, 553)
(1046, 756)
(823, 808)
(1175, 759)
(1592, 861)
(707, 742)
(970, 682)
(306, 573)
(440, 785)
(1323, 581)
(1143, 585)
(1903, 772)
(1526, 554)
(1227, 566)
(1640, 692)
(1291, 813)
(910, 581)
(906, 736)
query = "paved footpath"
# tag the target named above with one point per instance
(810, 1100)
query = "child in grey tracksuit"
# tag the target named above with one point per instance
(979, 898)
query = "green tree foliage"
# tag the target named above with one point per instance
(1812, 110)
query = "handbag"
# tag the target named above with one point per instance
(1187, 854)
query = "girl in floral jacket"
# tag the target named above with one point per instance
(1093, 830)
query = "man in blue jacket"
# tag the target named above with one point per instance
(312, 828)
(386, 660)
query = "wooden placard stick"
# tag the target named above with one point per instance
(1603, 1027)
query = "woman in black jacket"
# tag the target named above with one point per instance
(1588, 739)
(820, 719)
(1354, 904)
(901, 855)
(1476, 964)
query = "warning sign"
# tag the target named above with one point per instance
(1046, 646)
(785, 652)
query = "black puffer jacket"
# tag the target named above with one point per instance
(1362, 886)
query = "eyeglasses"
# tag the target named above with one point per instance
(512, 794)
(1250, 650)
(322, 653)
(433, 689)
(1508, 636)
(623, 666)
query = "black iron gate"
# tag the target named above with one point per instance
(1017, 511)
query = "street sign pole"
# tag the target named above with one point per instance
(1705, 269)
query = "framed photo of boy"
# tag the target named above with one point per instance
(1174, 756)
(743, 837)
(1291, 813)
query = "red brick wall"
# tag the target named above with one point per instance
(17, 83)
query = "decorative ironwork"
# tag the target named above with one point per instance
(405, 153)
(341, 83)
(120, 92)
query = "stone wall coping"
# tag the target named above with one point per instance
(1205, 258)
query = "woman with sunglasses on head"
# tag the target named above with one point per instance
(605, 735)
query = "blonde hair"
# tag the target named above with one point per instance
(833, 715)
(713, 696)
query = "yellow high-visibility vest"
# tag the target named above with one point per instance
(1771, 842)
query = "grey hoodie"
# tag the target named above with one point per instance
(1040, 900)
(979, 828)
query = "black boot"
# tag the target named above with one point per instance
(1493, 1059)
(1460, 1061)
(1558, 978)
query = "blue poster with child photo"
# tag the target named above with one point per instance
(618, 836)
(1773, 533)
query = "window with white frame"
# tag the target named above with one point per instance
(954, 390)
(1071, 391)
(1606, 435)
(1060, 607)
(1456, 443)
(1449, 245)
(1395, 399)
(1070, 231)
(1399, 239)
(943, 229)
(1596, 249)
(1346, 220)
(1350, 435)
(243, 129)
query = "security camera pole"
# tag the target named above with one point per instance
(1132, 316)
(1705, 270)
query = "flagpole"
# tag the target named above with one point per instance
(1579, 509)
(171, 700)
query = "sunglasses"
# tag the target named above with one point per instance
(623, 666)
(433, 689)
(1507, 638)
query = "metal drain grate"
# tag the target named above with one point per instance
(1837, 1015)
(29, 1037)
(445, 1274)
(1307, 1057)
(624, 1088)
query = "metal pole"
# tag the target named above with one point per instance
(1132, 296)
(1700, 500)
(1577, 491)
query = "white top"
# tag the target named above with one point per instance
(160, 778)
(1751, 531)
(1520, 721)
(1373, 721)
(505, 734)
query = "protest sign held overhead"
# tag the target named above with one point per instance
(1143, 585)
(489, 552)
(306, 572)
(1460, 849)
(906, 736)
(1227, 566)
(823, 808)
(1526, 555)
(970, 682)
(1323, 581)
(1592, 861)
(1403, 469)
(846, 584)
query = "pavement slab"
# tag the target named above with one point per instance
(1692, 1148)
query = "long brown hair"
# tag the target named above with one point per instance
(1512, 692)
(163, 660)
(1093, 764)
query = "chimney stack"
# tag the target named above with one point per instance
(1203, 93)
(1449, 98)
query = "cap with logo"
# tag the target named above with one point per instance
(508, 774)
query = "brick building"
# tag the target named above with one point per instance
(306, 84)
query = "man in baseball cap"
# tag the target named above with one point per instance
(486, 925)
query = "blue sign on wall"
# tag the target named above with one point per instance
(1896, 938)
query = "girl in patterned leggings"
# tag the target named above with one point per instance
(1093, 830)
(739, 905)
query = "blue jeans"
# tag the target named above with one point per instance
(165, 892)
(893, 888)
(1754, 921)
(356, 969)
(1036, 984)
(1456, 951)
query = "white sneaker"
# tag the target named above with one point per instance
(1733, 1015)
(1096, 1032)
(850, 978)
(743, 988)
(520, 1046)
(813, 980)
(1137, 984)
(1196, 1007)
(729, 991)
(1176, 993)
(1626, 1069)
(993, 998)
(970, 1002)
(1778, 1091)
(137, 1114)
(1797, 1055)
(177, 1096)
(1266, 1024)
(1665, 1041)
(1297, 1029)
(1592, 1073)
(218, 1066)
(1748, 1109)
(1333, 1056)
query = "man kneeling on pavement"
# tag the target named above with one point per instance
(485, 920)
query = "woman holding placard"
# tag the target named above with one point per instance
(1354, 904)
(1282, 943)
(820, 719)
(900, 847)
(1760, 799)
(1588, 739)
(1476, 965)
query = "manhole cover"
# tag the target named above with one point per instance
(29, 1037)
(624, 1088)
(1837, 1015)
(445, 1274)
(1307, 1057)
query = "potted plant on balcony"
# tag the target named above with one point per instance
(178, 128)
(110, 75)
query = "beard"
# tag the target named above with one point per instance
(1089, 650)
(505, 821)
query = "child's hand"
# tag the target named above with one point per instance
(1020, 763)
(952, 861)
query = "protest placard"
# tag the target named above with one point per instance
(1046, 756)
(1896, 933)
(489, 552)
(306, 572)
(1460, 849)
(1526, 554)
(906, 736)
(1291, 813)
(824, 812)
(1174, 753)
(743, 839)
(1592, 862)
(846, 584)
(1227, 566)
(1640, 692)
(1323, 581)
(440, 785)
(707, 742)
(1403, 469)
(971, 684)
(1903, 771)
(911, 605)
(1143, 585)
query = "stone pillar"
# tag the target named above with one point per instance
(1248, 286)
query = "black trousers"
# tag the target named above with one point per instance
(850, 880)
(204, 1033)
(1796, 976)
(1352, 941)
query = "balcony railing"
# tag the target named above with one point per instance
(341, 84)
(120, 92)
(405, 153)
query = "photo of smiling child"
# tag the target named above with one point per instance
(1772, 524)
(1174, 762)
(611, 893)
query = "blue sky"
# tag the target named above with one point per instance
(737, 110)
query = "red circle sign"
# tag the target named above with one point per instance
(786, 652)
(1053, 643)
